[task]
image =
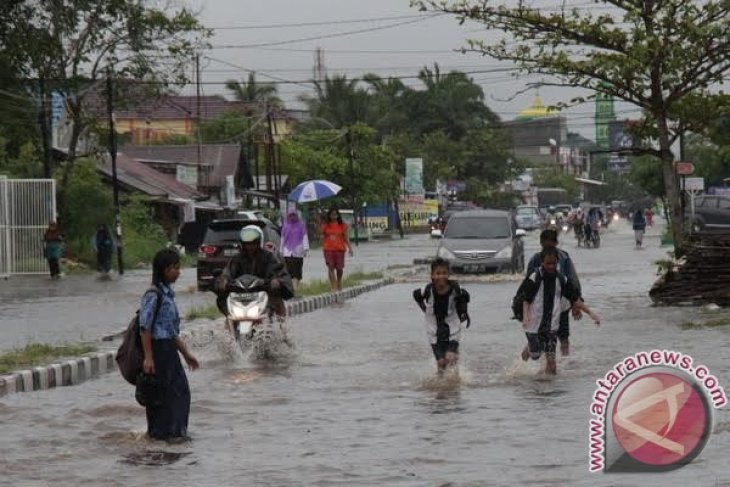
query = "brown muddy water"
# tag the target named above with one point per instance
(358, 402)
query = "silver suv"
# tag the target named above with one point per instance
(483, 241)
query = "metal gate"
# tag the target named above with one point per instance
(26, 208)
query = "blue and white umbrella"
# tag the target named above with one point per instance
(317, 189)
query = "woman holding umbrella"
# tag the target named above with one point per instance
(334, 243)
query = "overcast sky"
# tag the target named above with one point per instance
(429, 39)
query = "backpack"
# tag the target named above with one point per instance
(521, 294)
(130, 355)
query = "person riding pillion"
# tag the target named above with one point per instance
(255, 260)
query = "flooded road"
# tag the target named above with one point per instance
(82, 307)
(359, 404)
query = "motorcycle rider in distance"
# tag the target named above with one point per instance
(255, 260)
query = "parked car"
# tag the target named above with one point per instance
(483, 241)
(221, 242)
(528, 217)
(712, 213)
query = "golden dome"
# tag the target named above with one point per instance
(536, 110)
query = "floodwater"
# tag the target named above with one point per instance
(359, 403)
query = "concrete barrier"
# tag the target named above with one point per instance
(77, 370)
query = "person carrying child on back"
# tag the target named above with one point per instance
(544, 295)
(549, 238)
(444, 304)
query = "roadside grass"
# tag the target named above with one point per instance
(39, 354)
(319, 286)
(693, 325)
(309, 288)
(210, 312)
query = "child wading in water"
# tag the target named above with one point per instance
(545, 295)
(444, 304)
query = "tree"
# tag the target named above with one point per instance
(69, 47)
(661, 56)
(451, 103)
(339, 101)
(254, 92)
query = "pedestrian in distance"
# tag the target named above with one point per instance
(549, 238)
(335, 242)
(639, 225)
(547, 293)
(294, 245)
(53, 245)
(161, 342)
(104, 246)
(445, 307)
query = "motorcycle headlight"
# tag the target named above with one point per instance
(445, 253)
(252, 313)
(505, 253)
(552, 221)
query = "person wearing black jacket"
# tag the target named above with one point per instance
(256, 260)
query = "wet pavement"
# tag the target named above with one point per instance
(358, 403)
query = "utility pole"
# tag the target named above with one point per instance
(45, 124)
(202, 181)
(270, 155)
(113, 155)
(350, 159)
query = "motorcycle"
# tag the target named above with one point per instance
(250, 319)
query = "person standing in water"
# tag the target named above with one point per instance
(639, 226)
(162, 345)
(444, 304)
(294, 245)
(104, 245)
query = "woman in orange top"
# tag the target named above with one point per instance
(334, 243)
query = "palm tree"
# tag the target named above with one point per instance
(254, 92)
(451, 102)
(339, 101)
(389, 113)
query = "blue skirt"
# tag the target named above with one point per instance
(170, 419)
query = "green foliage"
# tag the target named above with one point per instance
(88, 203)
(210, 312)
(27, 164)
(142, 237)
(710, 156)
(39, 354)
(646, 172)
(230, 127)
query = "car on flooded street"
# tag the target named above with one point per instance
(479, 241)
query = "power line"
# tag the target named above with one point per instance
(322, 22)
(324, 36)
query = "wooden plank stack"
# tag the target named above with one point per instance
(703, 277)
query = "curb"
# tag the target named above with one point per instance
(70, 372)
(78, 370)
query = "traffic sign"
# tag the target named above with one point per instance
(684, 168)
(694, 184)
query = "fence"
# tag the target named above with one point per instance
(26, 208)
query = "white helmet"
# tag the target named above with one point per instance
(251, 233)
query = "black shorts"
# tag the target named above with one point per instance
(294, 266)
(537, 343)
(441, 347)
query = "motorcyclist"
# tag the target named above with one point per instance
(594, 216)
(255, 260)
